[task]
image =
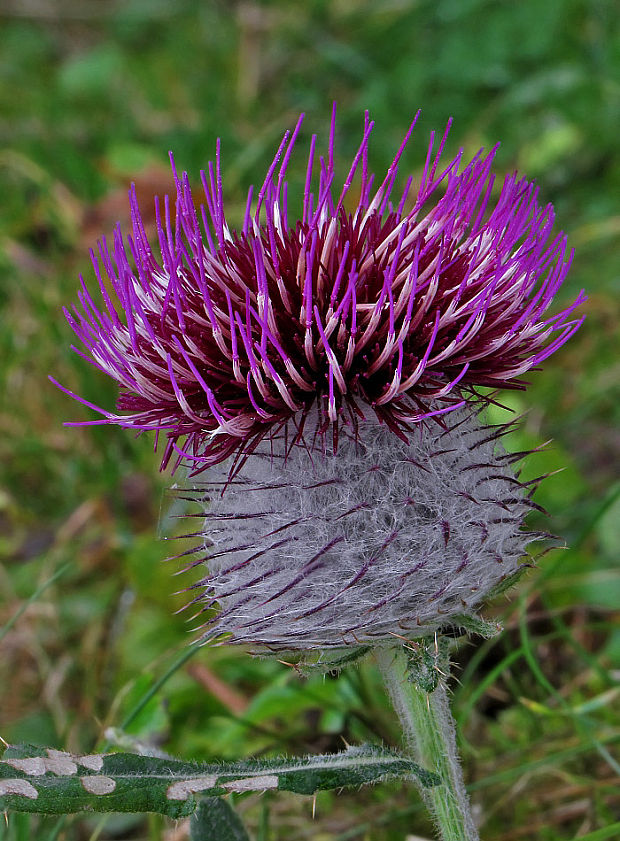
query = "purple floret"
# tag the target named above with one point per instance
(404, 308)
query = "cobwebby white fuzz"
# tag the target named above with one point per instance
(306, 549)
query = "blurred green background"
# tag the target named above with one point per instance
(93, 94)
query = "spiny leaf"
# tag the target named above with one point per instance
(333, 661)
(475, 625)
(507, 582)
(54, 782)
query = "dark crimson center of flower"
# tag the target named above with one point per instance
(367, 249)
(359, 253)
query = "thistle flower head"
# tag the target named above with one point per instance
(401, 306)
(326, 369)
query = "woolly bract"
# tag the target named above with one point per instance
(310, 549)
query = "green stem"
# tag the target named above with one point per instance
(430, 736)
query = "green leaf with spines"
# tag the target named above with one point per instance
(507, 582)
(332, 661)
(428, 660)
(473, 624)
(46, 781)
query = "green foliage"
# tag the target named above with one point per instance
(332, 661)
(428, 662)
(57, 783)
(215, 820)
(472, 624)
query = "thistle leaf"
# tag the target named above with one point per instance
(473, 624)
(48, 781)
(332, 661)
(507, 582)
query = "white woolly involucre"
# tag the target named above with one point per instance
(306, 549)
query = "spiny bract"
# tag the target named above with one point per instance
(309, 549)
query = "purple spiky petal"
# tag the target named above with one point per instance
(403, 306)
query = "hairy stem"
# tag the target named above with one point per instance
(429, 734)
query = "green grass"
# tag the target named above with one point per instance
(93, 96)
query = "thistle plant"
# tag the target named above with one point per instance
(322, 373)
